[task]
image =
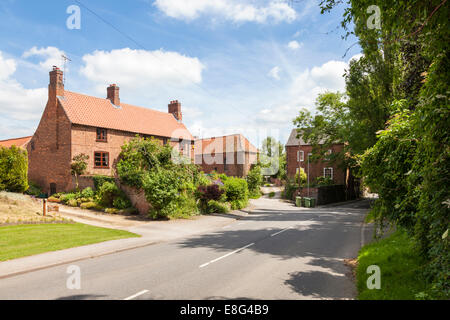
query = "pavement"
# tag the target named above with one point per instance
(277, 251)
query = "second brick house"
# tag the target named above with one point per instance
(297, 152)
(74, 123)
(233, 155)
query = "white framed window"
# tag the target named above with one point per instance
(328, 173)
(300, 156)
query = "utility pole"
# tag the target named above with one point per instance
(309, 154)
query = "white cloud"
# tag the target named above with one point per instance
(231, 10)
(7, 67)
(138, 69)
(275, 73)
(52, 56)
(295, 45)
(16, 102)
(303, 91)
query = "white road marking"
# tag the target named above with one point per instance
(136, 295)
(275, 234)
(227, 255)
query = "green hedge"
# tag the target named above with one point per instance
(13, 169)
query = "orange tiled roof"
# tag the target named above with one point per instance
(97, 112)
(18, 142)
(224, 144)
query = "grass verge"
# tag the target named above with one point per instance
(401, 270)
(26, 240)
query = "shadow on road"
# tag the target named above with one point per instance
(82, 297)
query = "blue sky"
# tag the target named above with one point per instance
(237, 66)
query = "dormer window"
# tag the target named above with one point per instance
(102, 135)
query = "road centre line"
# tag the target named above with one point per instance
(136, 295)
(227, 255)
(275, 234)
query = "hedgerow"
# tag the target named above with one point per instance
(13, 169)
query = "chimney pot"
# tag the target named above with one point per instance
(113, 94)
(56, 86)
(175, 109)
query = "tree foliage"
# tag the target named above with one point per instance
(398, 103)
(13, 169)
(169, 187)
(78, 166)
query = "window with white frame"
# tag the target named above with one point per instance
(328, 173)
(300, 156)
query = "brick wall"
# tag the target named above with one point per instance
(238, 163)
(49, 153)
(315, 168)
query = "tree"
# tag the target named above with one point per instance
(402, 84)
(13, 169)
(272, 154)
(79, 166)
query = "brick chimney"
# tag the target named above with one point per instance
(56, 86)
(113, 94)
(175, 109)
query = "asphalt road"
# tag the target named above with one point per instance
(277, 252)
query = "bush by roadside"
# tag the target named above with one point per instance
(13, 169)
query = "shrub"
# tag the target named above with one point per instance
(34, 189)
(239, 204)
(121, 203)
(322, 181)
(87, 193)
(54, 200)
(100, 180)
(13, 169)
(72, 203)
(202, 179)
(301, 178)
(65, 198)
(223, 177)
(217, 207)
(107, 193)
(254, 180)
(236, 189)
(91, 205)
(272, 194)
(139, 156)
(211, 192)
(290, 189)
(161, 190)
(112, 210)
(78, 166)
(186, 207)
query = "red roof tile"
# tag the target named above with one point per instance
(224, 144)
(97, 112)
(18, 142)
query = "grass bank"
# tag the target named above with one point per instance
(401, 270)
(26, 240)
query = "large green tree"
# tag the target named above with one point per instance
(398, 102)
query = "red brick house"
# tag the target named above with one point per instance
(74, 123)
(233, 155)
(297, 152)
(18, 142)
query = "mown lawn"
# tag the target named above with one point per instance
(400, 265)
(26, 240)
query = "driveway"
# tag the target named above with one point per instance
(276, 252)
